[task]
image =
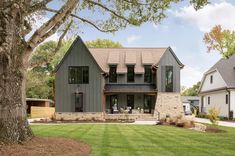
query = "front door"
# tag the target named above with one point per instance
(130, 101)
(147, 104)
(78, 102)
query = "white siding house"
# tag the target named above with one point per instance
(218, 88)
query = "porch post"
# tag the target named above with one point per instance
(104, 103)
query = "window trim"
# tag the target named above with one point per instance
(82, 77)
(128, 80)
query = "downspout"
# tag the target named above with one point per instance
(228, 103)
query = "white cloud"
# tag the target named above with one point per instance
(213, 14)
(190, 76)
(133, 38)
(160, 26)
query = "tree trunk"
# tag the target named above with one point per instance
(14, 127)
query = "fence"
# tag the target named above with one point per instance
(42, 112)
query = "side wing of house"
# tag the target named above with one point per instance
(169, 62)
(69, 89)
(213, 93)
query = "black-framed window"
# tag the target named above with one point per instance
(130, 73)
(148, 74)
(113, 74)
(208, 100)
(226, 98)
(211, 79)
(78, 75)
(169, 79)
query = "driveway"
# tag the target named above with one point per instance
(221, 123)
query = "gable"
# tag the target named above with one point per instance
(169, 58)
(218, 81)
(78, 46)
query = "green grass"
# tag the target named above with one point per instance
(139, 140)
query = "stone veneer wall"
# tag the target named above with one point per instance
(168, 104)
(97, 116)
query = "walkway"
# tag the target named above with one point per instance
(221, 123)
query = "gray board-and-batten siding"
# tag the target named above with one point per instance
(78, 55)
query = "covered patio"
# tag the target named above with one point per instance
(129, 99)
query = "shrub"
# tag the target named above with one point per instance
(223, 118)
(202, 115)
(213, 114)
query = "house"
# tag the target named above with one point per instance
(109, 83)
(218, 88)
(190, 103)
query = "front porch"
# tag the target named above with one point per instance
(118, 105)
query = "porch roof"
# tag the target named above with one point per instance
(130, 88)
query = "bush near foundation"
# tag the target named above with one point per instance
(213, 115)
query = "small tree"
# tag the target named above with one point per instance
(213, 114)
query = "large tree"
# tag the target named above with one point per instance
(103, 43)
(220, 40)
(16, 18)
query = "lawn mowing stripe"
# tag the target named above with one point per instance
(193, 142)
(146, 140)
(122, 135)
(105, 141)
(163, 138)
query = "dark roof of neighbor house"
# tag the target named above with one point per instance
(36, 99)
(225, 67)
(186, 99)
(125, 56)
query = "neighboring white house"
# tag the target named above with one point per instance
(218, 88)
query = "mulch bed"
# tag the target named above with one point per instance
(47, 147)
(211, 129)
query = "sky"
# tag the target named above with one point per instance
(183, 30)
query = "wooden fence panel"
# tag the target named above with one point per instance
(42, 112)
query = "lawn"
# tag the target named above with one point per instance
(127, 140)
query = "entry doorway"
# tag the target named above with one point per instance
(79, 102)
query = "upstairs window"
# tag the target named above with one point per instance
(211, 79)
(169, 79)
(148, 74)
(130, 74)
(209, 100)
(78, 75)
(113, 74)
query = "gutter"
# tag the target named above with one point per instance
(229, 102)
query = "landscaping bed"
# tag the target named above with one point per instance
(42, 146)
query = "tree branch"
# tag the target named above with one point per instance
(53, 24)
(59, 44)
(83, 20)
(109, 10)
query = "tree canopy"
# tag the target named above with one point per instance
(220, 40)
(192, 91)
(103, 43)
